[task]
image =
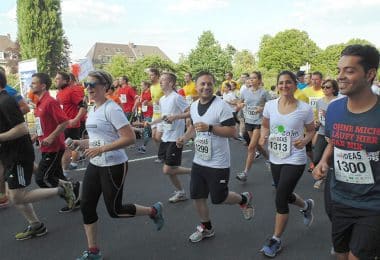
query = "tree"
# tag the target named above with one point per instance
(209, 55)
(288, 49)
(244, 61)
(119, 66)
(40, 33)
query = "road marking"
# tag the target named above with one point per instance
(152, 157)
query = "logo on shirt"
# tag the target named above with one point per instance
(281, 130)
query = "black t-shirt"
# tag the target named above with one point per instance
(17, 150)
(202, 109)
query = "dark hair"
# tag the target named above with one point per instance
(191, 75)
(300, 73)
(3, 79)
(258, 74)
(334, 84)
(102, 76)
(369, 55)
(2, 69)
(146, 83)
(204, 73)
(154, 71)
(228, 85)
(245, 74)
(229, 74)
(289, 73)
(125, 78)
(272, 88)
(72, 77)
(44, 79)
(317, 73)
(64, 75)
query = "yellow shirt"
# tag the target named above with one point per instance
(299, 95)
(190, 89)
(156, 93)
(312, 97)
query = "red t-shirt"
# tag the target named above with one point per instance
(181, 92)
(127, 97)
(147, 96)
(69, 99)
(49, 115)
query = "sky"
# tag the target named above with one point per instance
(175, 25)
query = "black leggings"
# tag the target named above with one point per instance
(49, 170)
(285, 177)
(109, 181)
(319, 148)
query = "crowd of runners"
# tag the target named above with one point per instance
(329, 127)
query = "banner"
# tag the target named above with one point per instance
(85, 67)
(26, 69)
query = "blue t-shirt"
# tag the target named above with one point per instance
(301, 85)
(355, 138)
(13, 93)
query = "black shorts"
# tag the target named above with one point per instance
(73, 133)
(82, 129)
(309, 147)
(170, 153)
(206, 180)
(251, 127)
(19, 175)
(235, 117)
(358, 234)
(49, 170)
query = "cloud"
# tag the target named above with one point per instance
(91, 11)
(198, 5)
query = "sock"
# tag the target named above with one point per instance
(243, 200)
(276, 238)
(153, 212)
(94, 250)
(207, 225)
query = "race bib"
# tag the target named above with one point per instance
(321, 117)
(144, 108)
(189, 100)
(39, 130)
(313, 102)
(156, 108)
(123, 98)
(352, 166)
(250, 113)
(279, 145)
(202, 144)
(100, 159)
(167, 126)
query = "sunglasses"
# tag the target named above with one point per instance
(326, 87)
(90, 84)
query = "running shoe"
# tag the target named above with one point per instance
(158, 219)
(257, 155)
(178, 196)
(158, 160)
(31, 232)
(201, 233)
(318, 184)
(271, 247)
(68, 194)
(141, 150)
(4, 202)
(242, 176)
(247, 208)
(87, 255)
(308, 216)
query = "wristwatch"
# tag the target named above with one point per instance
(210, 127)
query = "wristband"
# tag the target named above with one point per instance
(210, 128)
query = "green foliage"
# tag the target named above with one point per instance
(209, 55)
(40, 34)
(244, 61)
(288, 49)
(14, 81)
(118, 66)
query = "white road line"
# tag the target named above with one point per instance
(152, 157)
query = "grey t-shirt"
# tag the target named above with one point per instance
(252, 100)
(321, 109)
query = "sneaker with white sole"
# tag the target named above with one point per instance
(31, 232)
(271, 247)
(242, 176)
(308, 216)
(158, 219)
(178, 196)
(201, 233)
(247, 208)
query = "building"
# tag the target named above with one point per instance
(102, 53)
(9, 53)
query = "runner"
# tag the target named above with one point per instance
(284, 122)
(127, 97)
(212, 125)
(353, 129)
(109, 132)
(17, 153)
(172, 107)
(252, 102)
(147, 111)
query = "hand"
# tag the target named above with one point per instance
(180, 142)
(201, 127)
(320, 171)
(72, 123)
(47, 141)
(299, 144)
(317, 123)
(93, 152)
(170, 119)
(33, 137)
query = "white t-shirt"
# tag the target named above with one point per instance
(284, 130)
(252, 100)
(172, 104)
(230, 96)
(102, 124)
(219, 149)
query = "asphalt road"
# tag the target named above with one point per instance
(136, 238)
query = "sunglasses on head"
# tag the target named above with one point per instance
(90, 84)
